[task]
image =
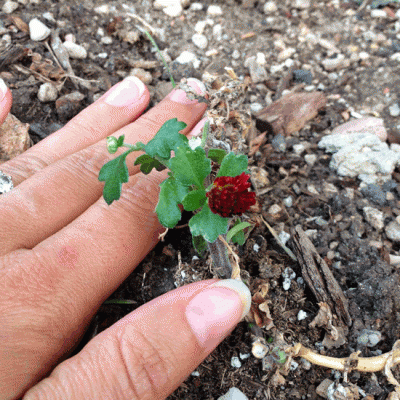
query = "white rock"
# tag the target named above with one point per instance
(200, 26)
(233, 394)
(299, 148)
(394, 110)
(186, 57)
(301, 315)
(173, 11)
(195, 373)
(106, 40)
(284, 237)
(103, 9)
(196, 7)
(363, 125)
(288, 275)
(378, 13)
(235, 362)
(257, 72)
(274, 209)
(160, 4)
(284, 54)
(236, 54)
(256, 107)
(75, 50)
(339, 62)
(270, 7)
(260, 59)
(47, 92)
(200, 41)
(214, 10)
(302, 4)
(217, 32)
(259, 350)
(392, 231)
(288, 201)
(9, 7)
(38, 30)
(374, 217)
(310, 159)
(49, 17)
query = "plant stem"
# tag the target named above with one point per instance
(219, 255)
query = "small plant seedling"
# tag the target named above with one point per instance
(213, 205)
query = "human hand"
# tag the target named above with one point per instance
(63, 251)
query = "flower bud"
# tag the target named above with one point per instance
(112, 144)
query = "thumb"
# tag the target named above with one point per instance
(147, 354)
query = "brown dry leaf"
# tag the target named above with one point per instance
(46, 68)
(14, 138)
(256, 143)
(290, 113)
(277, 380)
(324, 319)
(259, 310)
(20, 24)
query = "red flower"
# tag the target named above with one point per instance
(229, 195)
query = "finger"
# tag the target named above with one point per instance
(55, 196)
(149, 353)
(5, 101)
(120, 105)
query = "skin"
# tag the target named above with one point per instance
(63, 251)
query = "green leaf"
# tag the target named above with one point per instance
(114, 173)
(190, 167)
(120, 140)
(194, 200)
(167, 139)
(217, 155)
(208, 224)
(233, 165)
(147, 163)
(199, 244)
(236, 233)
(172, 193)
(113, 143)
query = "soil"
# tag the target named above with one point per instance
(356, 253)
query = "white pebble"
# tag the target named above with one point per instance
(196, 7)
(9, 7)
(75, 50)
(233, 394)
(47, 92)
(49, 17)
(214, 10)
(374, 217)
(236, 54)
(104, 9)
(217, 32)
(284, 237)
(288, 201)
(310, 159)
(256, 107)
(256, 247)
(270, 7)
(274, 209)
(186, 57)
(301, 315)
(173, 10)
(38, 30)
(378, 13)
(299, 148)
(195, 373)
(394, 110)
(200, 41)
(235, 362)
(106, 40)
(259, 349)
(200, 26)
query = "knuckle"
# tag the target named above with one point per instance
(145, 363)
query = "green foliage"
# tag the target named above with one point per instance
(236, 233)
(147, 163)
(208, 224)
(171, 195)
(114, 174)
(113, 143)
(233, 165)
(167, 139)
(217, 155)
(190, 167)
(194, 200)
(199, 244)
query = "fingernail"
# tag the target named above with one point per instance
(125, 93)
(179, 95)
(198, 129)
(3, 89)
(215, 311)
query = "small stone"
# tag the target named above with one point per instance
(285, 54)
(378, 13)
(367, 124)
(302, 76)
(302, 4)
(301, 315)
(259, 349)
(200, 26)
(195, 373)
(9, 7)
(374, 217)
(299, 148)
(217, 32)
(103, 9)
(257, 72)
(288, 201)
(278, 143)
(214, 10)
(200, 41)
(329, 189)
(196, 7)
(369, 338)
(186, 57)
(106, 40)
(256, 107)
(270, 7)
(322, 388)
(47, 92)
(143, 75)
(374, 193)
(235, 362)
(173, 11)
(131, 37)
(288, 275)
(312, 189)
(38, 30)
(6, 183)
(274, 209)
(392, 231)
(310, 159)
(233, 394)
(331, 64)
(284, 237)
(394, 110)
(75, 50)
(68, 105)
